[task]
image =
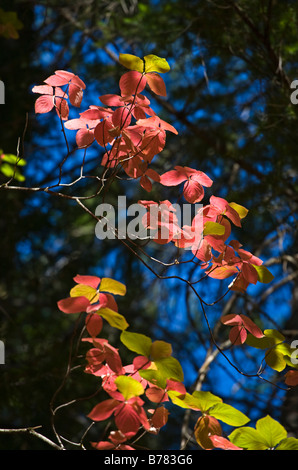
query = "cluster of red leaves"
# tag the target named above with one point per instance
(103, 361)
(131, 134)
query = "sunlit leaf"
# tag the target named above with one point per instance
(113, 318)
(87, 291)
(160, 349)
(213, 228)
(154, 63)
(136, 342)
(242, 211)
(131, 62)
(112, 286)
(264, 275)
(170, 368)
(129, 387)
(228, 414)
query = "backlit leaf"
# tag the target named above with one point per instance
(136, 342)
(160, 349)
(129, 387)
(271, 430)
(113, 318)
(248, 438)
(228, 414)
(264, 275)
(131, 62)
(154, 63)
(290, 443)
(112, 286)
(242, 211)
(213, 228)
(170, 368)
(86, 291)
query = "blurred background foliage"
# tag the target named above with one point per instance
(232, 65)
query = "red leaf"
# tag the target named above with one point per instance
(238, 335)
(101, 132)
(193, 191)
(56, 80)
(113, 359)
(62, 108)
(249, 273)
(111, 100)
(103, 445)
(127, 419)
(44, 104)
(220, 442)
(92, 281)
(75, 95)
(84, 137)
(103, 410)
(131, 83)
(73, 304)
(43, 90)
(156, 394)
(172, 178)
(156, 83)
(291, 378)
(94, 324)
(160, 417)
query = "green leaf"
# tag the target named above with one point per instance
(131, 62)
(213, 228)
(275, 335)
(264, 275)
(271, 338)
(204, 400)
(128, 386)
(248, 438)
(178, 399)
(242, 211)
(271, 430)
(154, 376)
(290, 443)
(170, 368)
(13, 159)
(267, 435)
(11, 172)
(113, 287)
(136, 342)
(228, 414)
(160, 349)
(154, 63)
(115, 319)
(275, 360)
(86, 291)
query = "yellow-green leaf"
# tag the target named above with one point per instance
(160, 349)
(271, 430)
(131, 62)
(204, 400)
(113, 287)
(136, 342)
(115, 319)
(128, 386)
(213, 228)
(228, 414)
(86, 291)
(242, 211)
(178, 399)
(170, 368)
(275, 360)
(264, 275)
(153, 63)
